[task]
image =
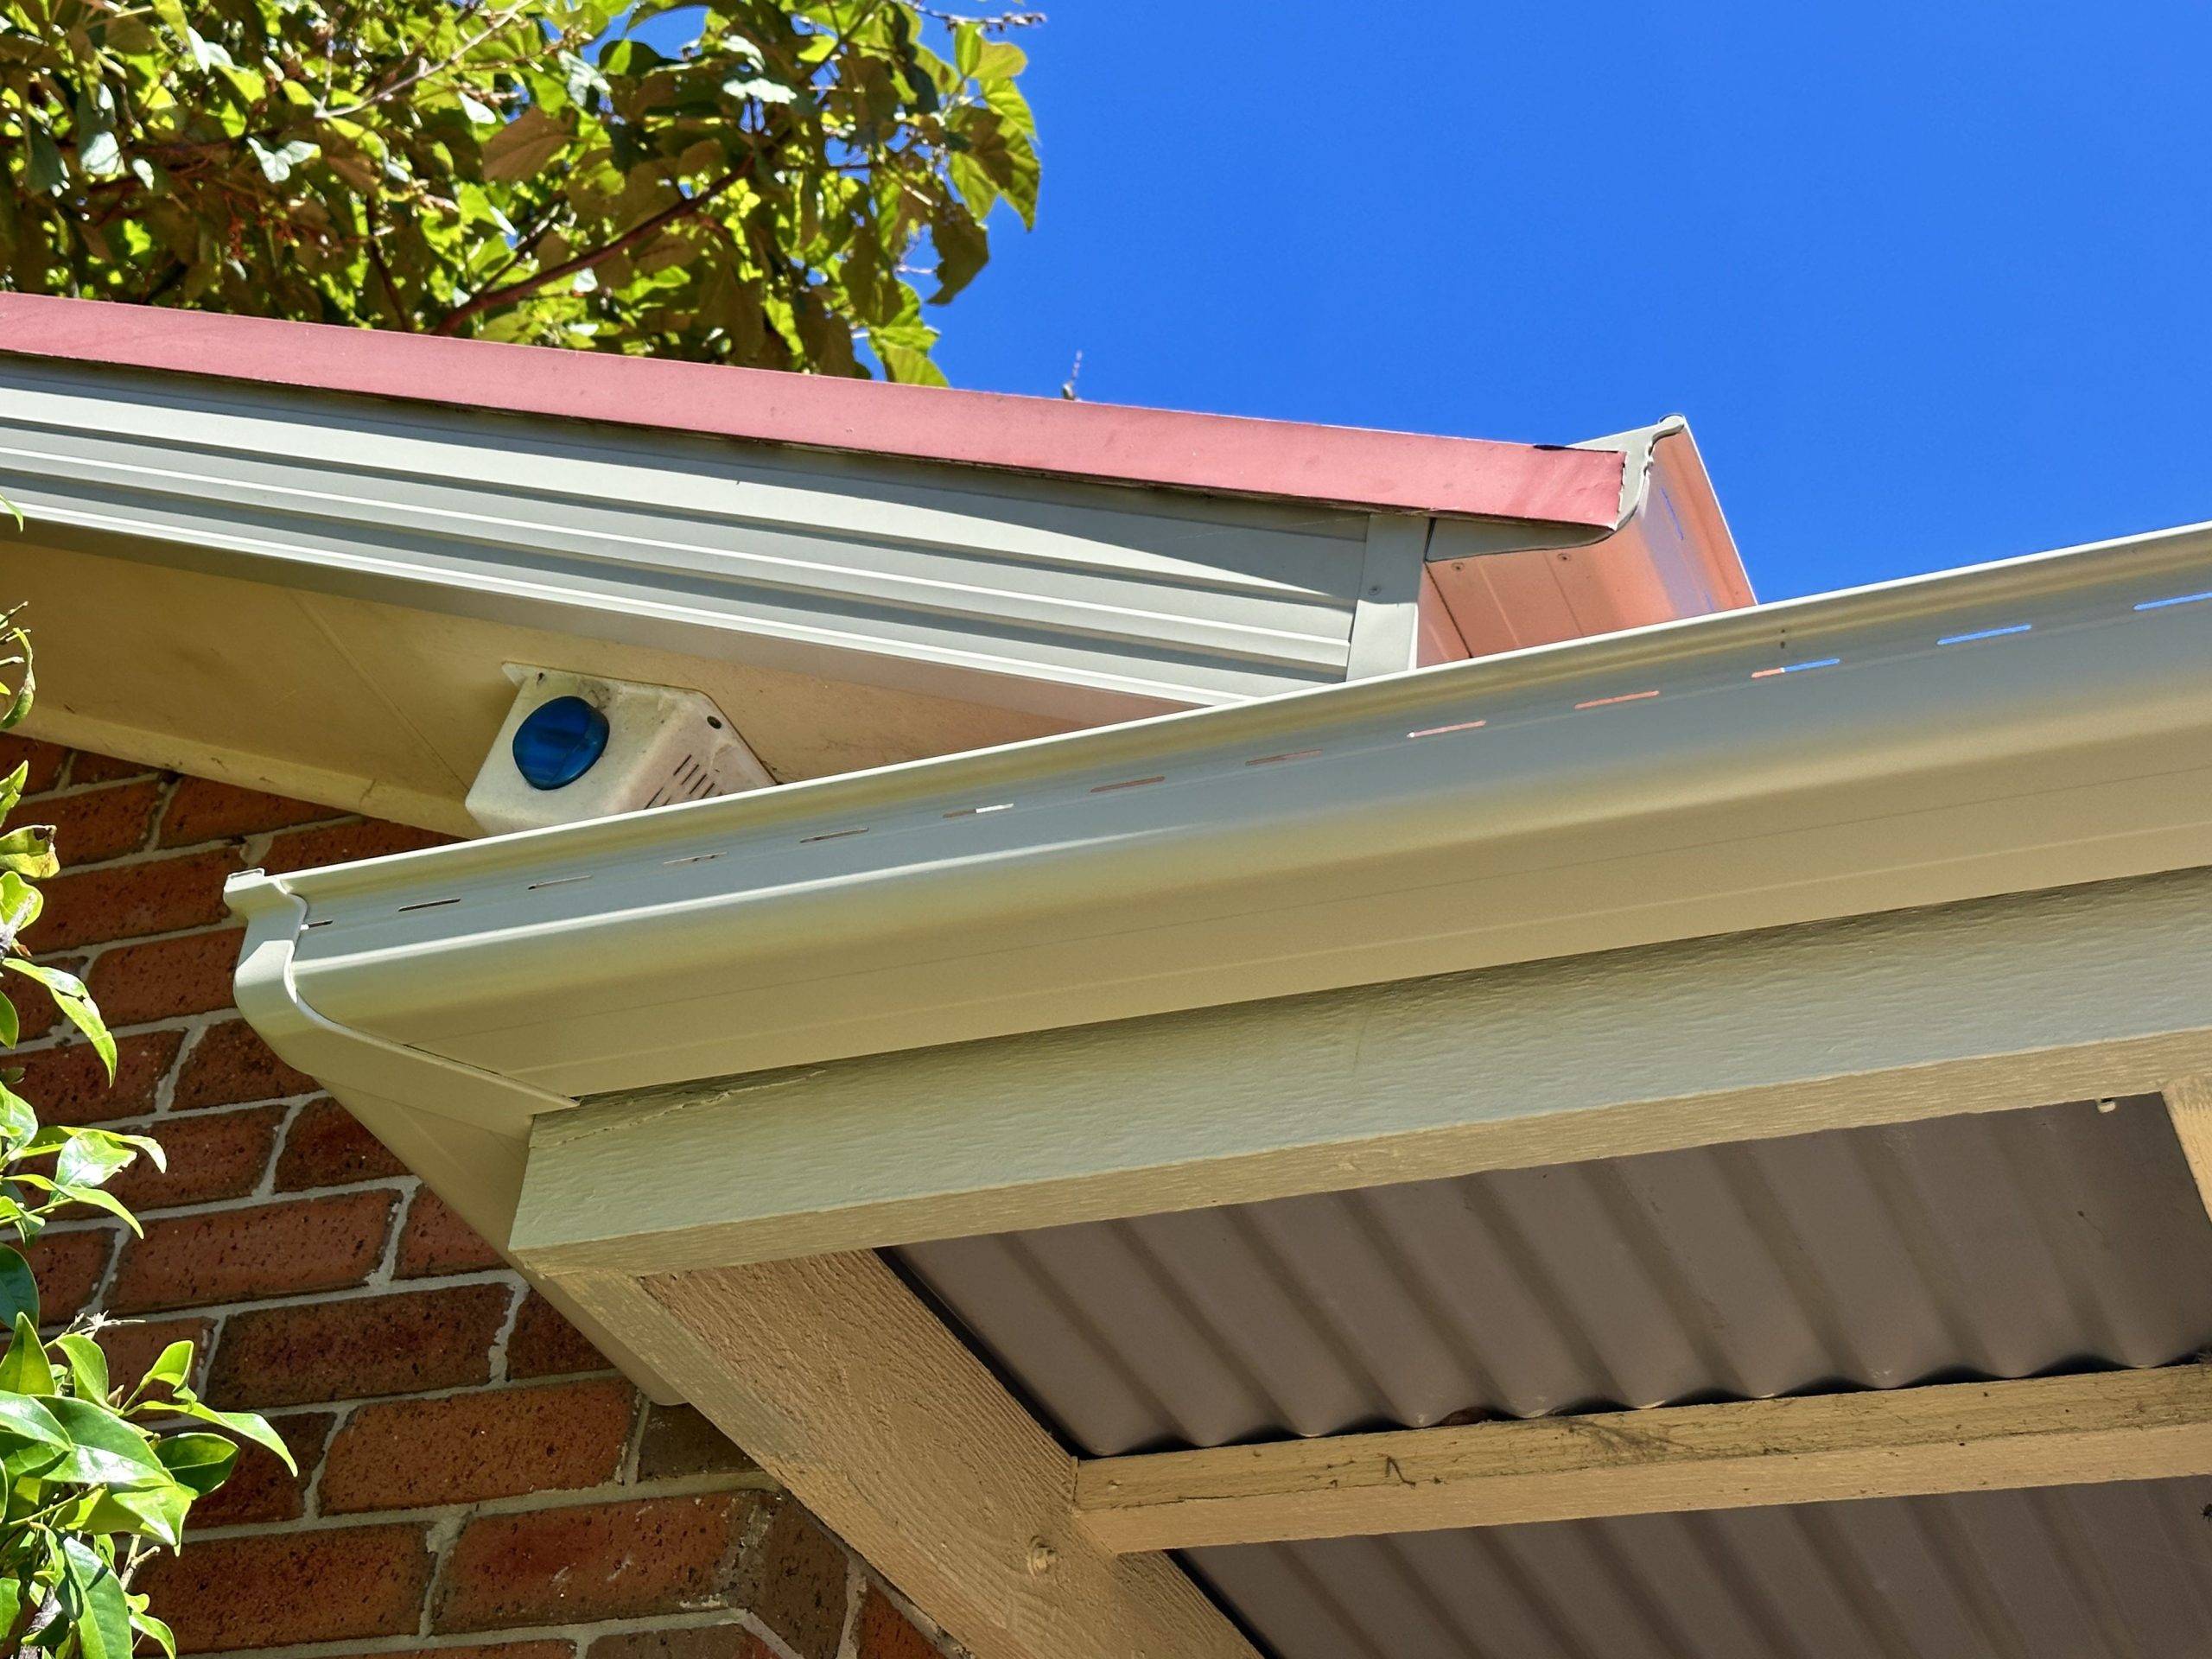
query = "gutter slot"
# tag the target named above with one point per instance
(1288, 754)
(2177, 599)
(1794, 668)
(1968, 639)
(833, 835)
(427, 904)
(1129, 783)
(1607, 702)
(1456, 726)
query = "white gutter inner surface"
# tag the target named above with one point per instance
(2039, 722)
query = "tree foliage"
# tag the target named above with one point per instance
(93, 1477)
(526, 171)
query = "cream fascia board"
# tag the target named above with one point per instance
(2141, 1425)
(1989, 1004)
(2009, 728)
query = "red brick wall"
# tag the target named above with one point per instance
(476, 1481)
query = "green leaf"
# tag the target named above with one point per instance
(170, 1368)
(89, 1157)
(45, 173)
(206, 53)
(87, 1366)
(19, 904)
(104, 1628)
(75, 1001)
(100, 156)
(146, 1624)
(11, 787)
(156, 1512)
(11, 1029)
(18, 1289)
(29, 852)
(31, 1420)
(104, 1450)
(199, 1463)
(99, 1200)
(278, 160)
(246, 1424)
(19, 702)
(24, 1369)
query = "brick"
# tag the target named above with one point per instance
(67, 1084)
(90, 768)
(43, 759)
(285, 1587)
(137, 982)
(594, 1561)
(407, 1343)
(98, 824)
(264, 1249)
(463, 1448)
(679, 1441)
(342, 843)
(435, 1240)
(203, 810)
(35, 1012)
(127, 901)
(261, 1489)
(327, 1147)
(541, 1649)
(794, 1581)
(132, 1346)
(211, 1155)
(883, 1632)
(731, 1641)
(230, 1064)
(67, 1266)
(542, 1344)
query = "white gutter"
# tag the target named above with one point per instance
(2020, 725)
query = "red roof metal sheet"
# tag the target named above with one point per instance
(1221, 454)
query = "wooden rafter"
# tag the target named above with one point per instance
(841, 1384)
(1955, 1436)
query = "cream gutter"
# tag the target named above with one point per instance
(2015, 725)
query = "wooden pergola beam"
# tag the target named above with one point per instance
(838, 1382)
(1957, 1437)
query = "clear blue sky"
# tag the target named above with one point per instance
(1933, 283)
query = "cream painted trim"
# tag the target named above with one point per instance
(842, 1385)
(1980, 1007)
(1952, 1438)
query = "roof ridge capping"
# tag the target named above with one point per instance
(1483, 478)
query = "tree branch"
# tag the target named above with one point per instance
(491, 299)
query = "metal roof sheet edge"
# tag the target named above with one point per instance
(1230, 454)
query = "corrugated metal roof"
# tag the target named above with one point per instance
(1988, 1246)
(2112, 1571)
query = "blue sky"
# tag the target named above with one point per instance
(1933, 283)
